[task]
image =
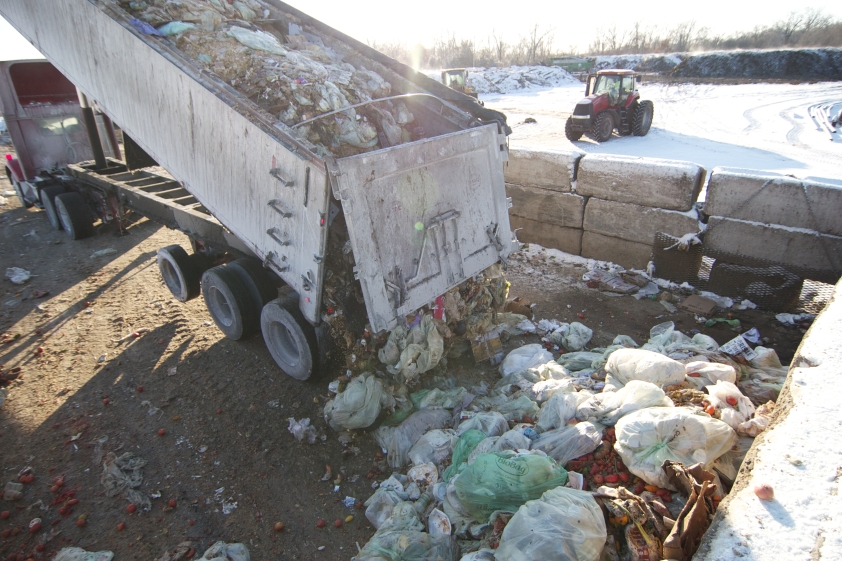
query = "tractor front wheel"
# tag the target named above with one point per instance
(602, 128)
(572, 135)
(643, 118)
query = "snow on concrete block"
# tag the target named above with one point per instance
(543, 205)
(631, 255)
(779, 244)
(636, 223)
(550, 170)
(668, 184)
(774, 199)
(548, 235)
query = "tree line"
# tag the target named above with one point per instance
(810, 27)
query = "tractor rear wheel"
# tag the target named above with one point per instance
(643, 118)
(603, 128)
(572, 135)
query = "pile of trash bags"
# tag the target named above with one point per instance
(526, 467)
(286, 68)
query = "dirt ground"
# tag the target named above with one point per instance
(226, 456)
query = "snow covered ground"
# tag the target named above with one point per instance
(754, 126)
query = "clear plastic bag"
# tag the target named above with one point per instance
(512, 440)
(649, 436)
(409, 355)
(608, 407)
(575, 362)
(700, 374)
(626, 365)
(732, 406)
(559, 409)
(491, 423)
(569, 442)
(221, 551)
(577, 337)
(463, 448)
(397, 441)
(408, 545)
(446, 399)
(563, 525)
(434, 446)
(523, 358)
(358, 406)
(484, 447)
(380, 505)
(505, 481)
(518, 409)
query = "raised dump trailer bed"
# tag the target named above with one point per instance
(421, 216)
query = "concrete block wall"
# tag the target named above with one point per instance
(603, 207)
(775, 217)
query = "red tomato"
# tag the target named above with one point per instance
(131, 508)
(121, 526)
(613, 478)
(732, 401)
(173, 503)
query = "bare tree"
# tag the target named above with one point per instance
(789, 26)
(499, 47)
(536, 43)
(681, 37)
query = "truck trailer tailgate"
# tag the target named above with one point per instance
(423, 217)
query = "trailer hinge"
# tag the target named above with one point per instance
(276, 173)
(274, 234)
(308, 281)
(318, 258)
(493, 235)
(269, 260)
(277, 207)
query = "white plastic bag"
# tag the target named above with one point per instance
(700, 374)
(649, 436)
(575, 362)
(569, 442)
(302, 430)
(577, 337)
(358, 406)
(523, 358)
(731, 405)
(563, 525)
(221, 551)
(411, 354)
(625, 365)
(434, 446)
(559, 409)
(258, 40)
(397, 441)
(491, 423)
(545, 389)
(518, 409)
(380, 505)
(79, 554)
(609, 407)
(512, 440)
(766, 358)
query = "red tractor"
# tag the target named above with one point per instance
(611, 102)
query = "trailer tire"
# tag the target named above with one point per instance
(290, 338)
(260, 286)
(74, 214)
(48, 197)
(182, 273)
(571, 135)
(643, 118)
(603, 127)
(228, 302)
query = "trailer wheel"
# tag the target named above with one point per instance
(75, 216)
(182, 273)
(643, 118)
(48, 197)
(228, 301)
(603, 127)
(260, 286)
(291, 340)
(572, 135)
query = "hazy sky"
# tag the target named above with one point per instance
(573, 22)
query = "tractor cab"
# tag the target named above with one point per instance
(457, 79)
(611, 102)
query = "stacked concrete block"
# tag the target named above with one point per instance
(630, 200)
(774, 217)
(555, 171)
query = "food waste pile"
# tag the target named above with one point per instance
(285, 68)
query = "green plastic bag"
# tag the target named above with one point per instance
(505, 481)
(466, 444)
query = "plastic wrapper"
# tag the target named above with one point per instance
(505, 481)
(518, 409)
(446, 399)
(490, 422)
(577, 337)
(523, 358)
(563, 525)
(221, 551)
(463, 448)
(700, 374)
(410, 354)
(649, 436)
(559, 409)
(397, 441)
(434, 446)
(358, 406)
(626, 365)
(569, 442)
(302, 430)
(609, 407)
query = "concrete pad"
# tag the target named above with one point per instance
(741, 194)
(787, 246)
(668, 184)
(636, 223)
(548, 235)
(623, 252)
(551, 170)
(543, 205)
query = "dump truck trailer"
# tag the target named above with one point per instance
(421, 215)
